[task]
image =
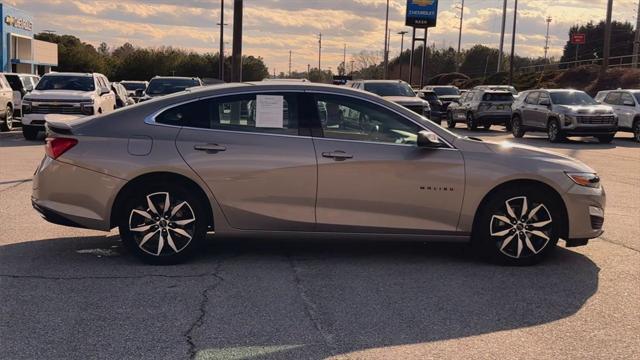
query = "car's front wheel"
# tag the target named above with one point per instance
(472, 124)
(8, 119)
(518, 226)
(636, 130)
(450, 122)
(29, 132)
(163, 223)
(554, 133)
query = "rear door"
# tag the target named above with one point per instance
(529, 109)
(626, 110)
(372, 177)
(249, 150)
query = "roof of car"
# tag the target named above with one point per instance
(381, 81)
(176, 77)
(70, 74)
(133, 81)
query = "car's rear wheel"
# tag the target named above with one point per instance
(518, 226)
(163, 223)
(450, 122)
(472, 124)
(516, 127)
(605, 139)
(8, 119)
(554, 133)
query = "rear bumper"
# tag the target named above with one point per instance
(69, 195)
(493, 118)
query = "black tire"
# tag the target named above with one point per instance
(30, 132)
(450, 122)
(507, 125)
(8, 119)
(472, 124)
(163, 238)
(554, 133)
(524, 242)
(605, 139)
(517, 129)
(487, 126)
(636, 130)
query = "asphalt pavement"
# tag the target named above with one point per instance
(77, 294)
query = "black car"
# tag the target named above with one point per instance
(165, 85)
(438, 110)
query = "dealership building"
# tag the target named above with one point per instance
(20, 52)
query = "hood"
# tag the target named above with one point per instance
(585, 109)
(36, 95)
(407, 100)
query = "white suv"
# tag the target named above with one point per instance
(626, 104)
(64, 96)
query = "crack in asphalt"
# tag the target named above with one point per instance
(619, 244)
(188, 335)
(16, 184)
(311, 309)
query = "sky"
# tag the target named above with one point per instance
(272, 28)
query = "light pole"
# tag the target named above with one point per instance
(402, 34)
(460, 36)
(607, 38)
(546, 41)
(504, 20)
(386, 44)
(636, 41)
(221, 65)
(513, 42)
(289, 63)
(344, 60)
(236, 52)
(319, 51)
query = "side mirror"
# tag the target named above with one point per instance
(139, 92)
(104, 90)
(427, 139)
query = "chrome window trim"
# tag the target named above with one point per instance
(151, 118)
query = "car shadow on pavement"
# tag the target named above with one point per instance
(270, 299)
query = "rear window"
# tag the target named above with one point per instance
(14, 81)
(497, 97)
(444, 91)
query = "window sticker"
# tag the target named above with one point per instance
(269, 112)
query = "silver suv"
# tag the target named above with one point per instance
(397, 91)
(481, 108)
(626, 105)
(562, 113)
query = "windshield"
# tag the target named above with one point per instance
(430, 96)
(169, 86)
(572, 98)
(390, 89)
(133, 86)
(440, 91)
(64, 82)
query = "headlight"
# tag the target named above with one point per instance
(585, 179)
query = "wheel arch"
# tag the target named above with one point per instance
(564, 232)
(139, 181)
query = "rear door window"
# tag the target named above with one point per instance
(613, 98)
(532, 99)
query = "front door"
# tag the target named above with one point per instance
(248, 150)
(373, 177)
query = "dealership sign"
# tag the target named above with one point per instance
(422, 13)
(18, 23)
(578, 38)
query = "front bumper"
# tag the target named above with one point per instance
(585, 211)
(33, 119)
(591, 130)
(69, 195)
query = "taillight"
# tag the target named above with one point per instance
(58, 146)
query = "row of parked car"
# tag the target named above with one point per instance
(558, 112)
(32, 100)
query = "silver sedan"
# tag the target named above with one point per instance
(302, 160)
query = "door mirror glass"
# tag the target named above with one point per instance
(428, 139)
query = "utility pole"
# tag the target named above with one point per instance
(308, 70)
(289, 63)
(385, 74)
(504, 20)
(546, 39)
(221, 56)
(402, 34)
(236, 54)
(319, 51)
(607, 39)
(513, 42)
(344, 60)
(458, 60)
(636, 41)
(352, 67)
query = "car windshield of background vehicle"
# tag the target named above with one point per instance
(133, 86)
(14, 81)
(497, 97)
(637, 96)
(446, 91)
(61, 82)
(397, 89)
(572, 98)
(430, 96)
(169, 86)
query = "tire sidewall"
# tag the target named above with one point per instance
(450, 123)
(558, 135)
(487, 246)
(471, 122)
(516, 127)
(137, 197)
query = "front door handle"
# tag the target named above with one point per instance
(211, 148)
(337, 155)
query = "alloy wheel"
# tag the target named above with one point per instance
(9, 118)
(163, 226)
(521, 229)
(553, 131)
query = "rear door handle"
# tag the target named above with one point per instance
(337, 155)
(212, 148)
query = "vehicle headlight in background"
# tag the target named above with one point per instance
(585, 179)
(87, 108)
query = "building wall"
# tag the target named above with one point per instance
(7, 14)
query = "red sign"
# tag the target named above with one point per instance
(578, 38)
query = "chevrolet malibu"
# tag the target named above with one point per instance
(266, 159)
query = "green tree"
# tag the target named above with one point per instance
(622, 36)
